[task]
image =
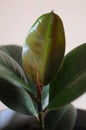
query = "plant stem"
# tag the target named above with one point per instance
(39, 88)
(39, 92)
(41, 124)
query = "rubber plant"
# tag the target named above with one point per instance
(39, 80)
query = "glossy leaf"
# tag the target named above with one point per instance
(60, 119)
(12, 86)
(71, 80)
(44, 47)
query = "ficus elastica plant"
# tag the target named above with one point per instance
(39, 80)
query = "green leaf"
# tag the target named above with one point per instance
(13, 86)
(44, 48)
(15, 52)
(13, 70)
(60, 119)
(70, 82)
(45, 97)
(16, 98)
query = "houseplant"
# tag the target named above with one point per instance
(38, 80)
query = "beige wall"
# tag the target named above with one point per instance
(17, 16)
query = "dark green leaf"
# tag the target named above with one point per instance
(16, 98)
(12, 85)
(15, 52)
(60, 119)
(71, 80)
(15, 73)
(67, 121)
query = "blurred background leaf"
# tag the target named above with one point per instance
(13, 86)
(15, 52)
(70, 82)
(61, 119)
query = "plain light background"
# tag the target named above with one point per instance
(17, 16)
